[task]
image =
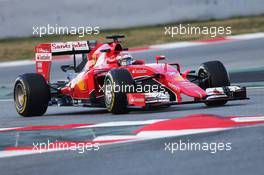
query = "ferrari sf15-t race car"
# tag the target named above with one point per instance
(109, 77)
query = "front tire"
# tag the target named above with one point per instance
(116, 99)
(213, 74)
(31, 95)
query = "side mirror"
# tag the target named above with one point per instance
(138, 62)
(192, 71)
(186, 73)
(160, 57)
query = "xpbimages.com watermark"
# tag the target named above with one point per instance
(187, 29)
(65, 30)
(138, 88)
(79, 147)
(212, 147)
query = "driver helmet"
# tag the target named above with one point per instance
(124, 59)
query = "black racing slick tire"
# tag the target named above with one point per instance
(117, 83)
(31, 95)
(213, 74)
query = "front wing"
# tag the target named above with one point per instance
(227, 93)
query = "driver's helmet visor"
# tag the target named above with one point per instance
(126, 60)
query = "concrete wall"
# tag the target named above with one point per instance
(17, 17)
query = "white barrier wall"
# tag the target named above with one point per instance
(17, 17)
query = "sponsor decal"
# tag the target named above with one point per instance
(68, 46)
(80, 45)
(42, 50)
(137, 100)
(60, 47)
(173, 87)
(43, 56)
(81, 85)
(139, 71)
(176, 76)
(39, 65)
(179, 78)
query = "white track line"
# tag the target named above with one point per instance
(6, 100)
(107, 124)
(6, 129)
(248, 119)
(143, 135)
(256, 87)
(247, 36)
(177, 45)
(124, 123)
(198, 43)
(16, 63)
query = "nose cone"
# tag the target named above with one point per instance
(186, 87)
(192, 90)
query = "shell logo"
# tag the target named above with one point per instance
(179, 78)
(81, 85)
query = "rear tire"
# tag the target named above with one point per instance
(116, 101)
(31, 95)
(214, 74)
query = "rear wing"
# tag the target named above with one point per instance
(44, 53)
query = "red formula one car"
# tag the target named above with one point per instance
(107, 76)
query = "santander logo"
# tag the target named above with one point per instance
(79, 44)
(68, 46)
(57, 46)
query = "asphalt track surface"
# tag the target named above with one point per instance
(149, 157)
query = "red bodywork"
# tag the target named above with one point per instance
(101, 59)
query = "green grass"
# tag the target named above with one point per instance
(23, 48)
